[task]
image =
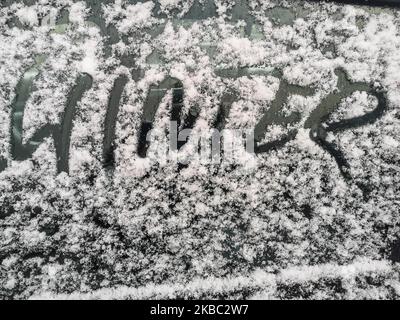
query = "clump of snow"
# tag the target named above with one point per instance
(169, 3)
(89, 63)
(243, 51)
(78, 12)
(130, 17)
(28, 16)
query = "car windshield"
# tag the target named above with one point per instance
(153, 143)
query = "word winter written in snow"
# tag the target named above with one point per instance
(182, 125)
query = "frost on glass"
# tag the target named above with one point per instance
(90, 208)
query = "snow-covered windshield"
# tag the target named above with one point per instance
(253, 144)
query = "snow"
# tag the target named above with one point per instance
(243, 51)
(28, 16)
(247, 226)
(131, 17)
(390, 143)
(89, 63)
(169, 3)
(263, 285)
(77, 13)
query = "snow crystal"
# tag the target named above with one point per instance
(28, 16)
